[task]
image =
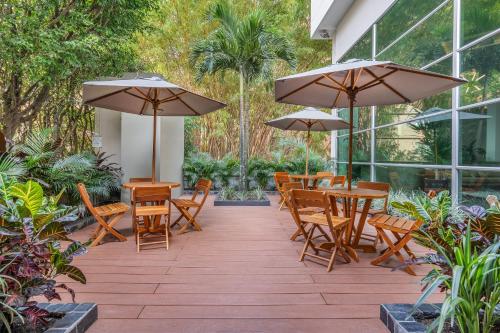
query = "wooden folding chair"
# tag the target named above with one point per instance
(281, 178)
(335, 181)
(379, 186)
(107, 216)
(184, 205)
(401, 229)
(336, 226)
(150, 205)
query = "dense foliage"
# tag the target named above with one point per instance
(466, 258)
(42, 158)
(32, 235)
(224, 172)
(50, 47)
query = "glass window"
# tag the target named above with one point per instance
(478, 18)
(362, 49)
(429, 41)
(411, 179)
(395, 113)
(480, 135)
(475, 186)
(360, 147)
(359, 171)
(480, 65)
(362, 118)
(399, 19)
(425, 140)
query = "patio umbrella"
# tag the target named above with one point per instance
(147, 95)
(309, 119)
(360, 83)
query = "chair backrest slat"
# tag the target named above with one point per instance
(202, 186)
(86, 199)
(379, 186)
(281, 178)
(311, 199)
(140, 180)
(337, 180)
(151, 194)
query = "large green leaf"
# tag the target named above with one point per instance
(53, 231)
(31, 193)
(72, 272)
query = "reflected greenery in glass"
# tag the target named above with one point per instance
(478, 17)
(475, 186)
(362, 49)
(425, 140)
(480, 136)
(429, 41)
(410, 179)
(359, 171)
(399, 19)
(360, 147)
(480, 65)
(362, 118)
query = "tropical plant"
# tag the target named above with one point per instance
(249, 46)
(261, 171)
(227, 168)
(200, 165)
(31, 253)
(41, 158)
(7, 312)
(473, 284)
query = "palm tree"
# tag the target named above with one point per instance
(247, 45)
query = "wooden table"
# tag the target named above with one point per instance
(150, 184)
(350, 204)
(306, 178)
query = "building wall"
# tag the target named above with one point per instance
(129, 138)
(450, 139)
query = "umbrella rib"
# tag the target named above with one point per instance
(357, 77)
(185, 104)
(144, 95)
(143, 108)
(389, 87)
(136, 96)
(279, 99)
(379, 79)
(291, 124)
(172, 98)
(322, 125)
(335, 81)
(338, 94)
(107, 95)
(426, 73)
(328, 86)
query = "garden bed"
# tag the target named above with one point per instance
(77, 318)
(398, 318)
(263, 202)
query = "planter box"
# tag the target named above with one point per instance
(398, 318)
(77, 317)
(219, 202)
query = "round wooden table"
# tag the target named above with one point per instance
(350, 207)
(150, 184)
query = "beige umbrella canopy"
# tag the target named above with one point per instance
(360, 83)
(147, 95)
(309, 119)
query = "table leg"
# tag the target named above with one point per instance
(361, 224)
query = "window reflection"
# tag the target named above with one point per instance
(478, 18)
(360, 147)
(475, 186)
(480, 136)
(359, 171)
(362, 49)
(409, 179)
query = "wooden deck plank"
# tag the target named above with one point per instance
(240, 274)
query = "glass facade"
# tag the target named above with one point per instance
(448, 141)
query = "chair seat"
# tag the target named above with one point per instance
(320, 219)
(185, 203)
(112, 209)
(393, 223)
(151, 210)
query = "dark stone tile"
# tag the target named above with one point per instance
(383, 314)
(399, 307)
(84, 307)
(429, 308)
(68, 307)
(68, 320)
(87, 321)
(55, 330)
(411, 327)
(54, 307)
(394, 317)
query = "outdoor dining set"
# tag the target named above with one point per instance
(337, 214)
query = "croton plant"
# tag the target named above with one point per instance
(34, 250)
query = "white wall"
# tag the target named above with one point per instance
(129, 138)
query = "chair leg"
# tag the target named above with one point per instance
(167, 231)
(137, 242)
(307, 243)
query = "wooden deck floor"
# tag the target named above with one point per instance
(240, 274)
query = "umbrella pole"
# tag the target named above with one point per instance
(349, 165)
(307, 150)
(153, 166)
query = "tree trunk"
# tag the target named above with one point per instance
(243, 134)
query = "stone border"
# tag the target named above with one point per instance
(77, 319)
(398, 318)
(265, 202)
